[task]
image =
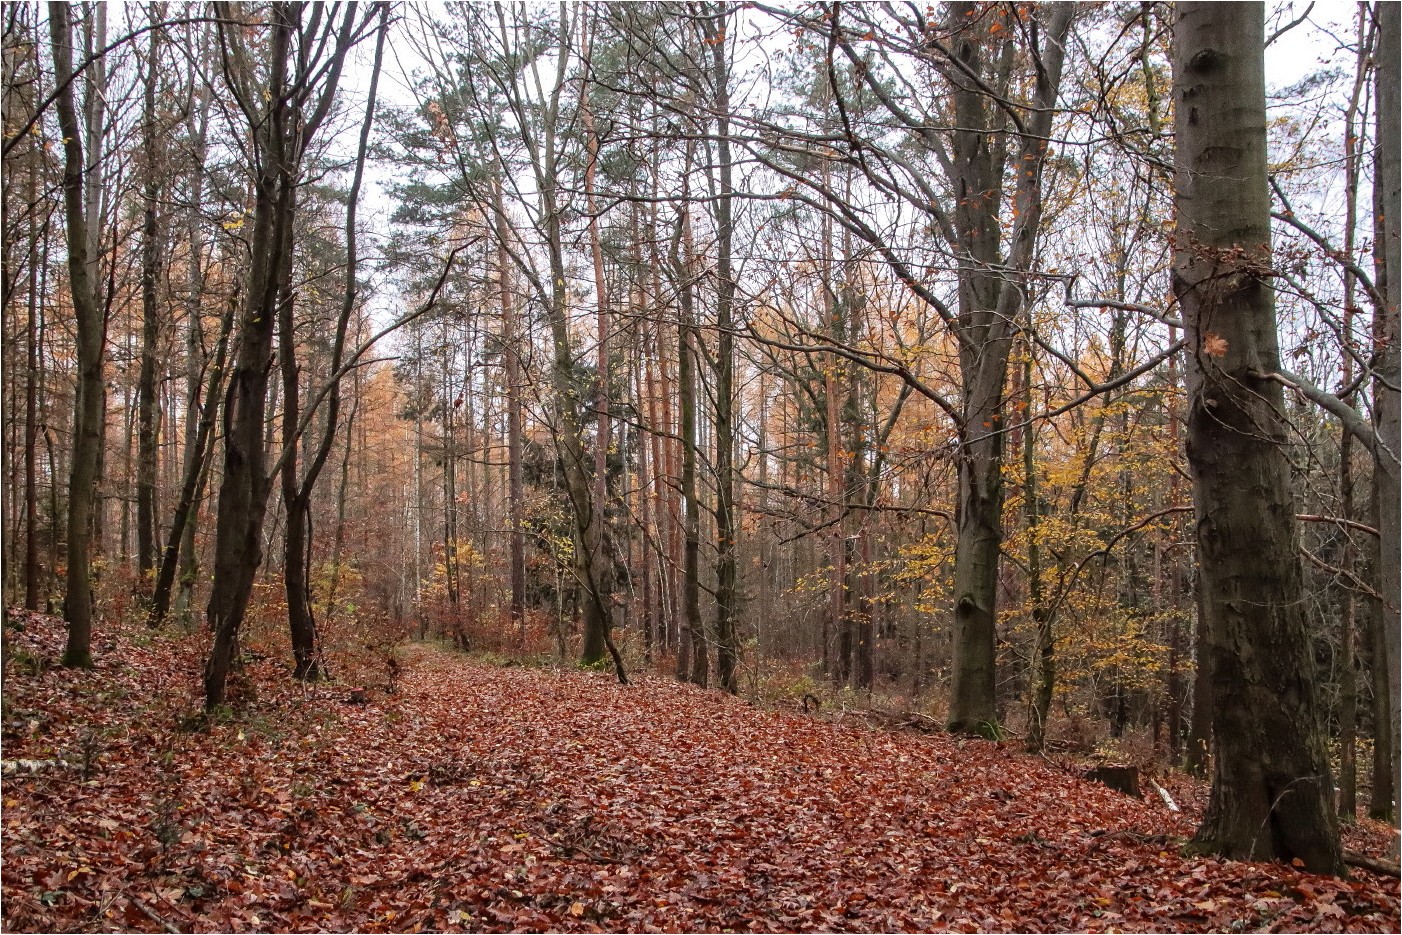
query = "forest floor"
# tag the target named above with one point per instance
(486, 798)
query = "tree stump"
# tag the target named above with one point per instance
(1123, 779)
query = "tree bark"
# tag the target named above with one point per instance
(1195, 757)
(146, 456)
(511, 352)
(244, 491)
(1271, 786)
(297, 490)
(200, 413)
(988, 304)
(1387, 364)
(87, 314)
(1044, 648)
(693, 636)
(715, 27)
(285, 112)
(1382, 793)
(603, 439)
(296, 497)
(31, 409)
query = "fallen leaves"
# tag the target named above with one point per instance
(481, 798)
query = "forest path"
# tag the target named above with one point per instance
(480, 797)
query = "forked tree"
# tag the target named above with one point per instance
(284, 82)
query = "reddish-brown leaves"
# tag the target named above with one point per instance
(483, 798)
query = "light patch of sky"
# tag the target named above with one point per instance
(1323, 42)
(395, 91)
(1320, 41)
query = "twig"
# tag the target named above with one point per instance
(151, 914)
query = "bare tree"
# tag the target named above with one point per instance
(87, 313)
(284, 100)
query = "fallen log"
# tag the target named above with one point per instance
(13, 767)
(1386, 868)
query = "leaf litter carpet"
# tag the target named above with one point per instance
(481, 798)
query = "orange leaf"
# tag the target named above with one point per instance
(1214, 345)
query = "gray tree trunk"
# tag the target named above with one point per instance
(87, 314)
(1387, 413)
(693, 663)
(147, 415)
(1272, 794)
(511, 353)
(715, 26)
(988, 305)
(282, 124)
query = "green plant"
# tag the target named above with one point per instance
(25, 662)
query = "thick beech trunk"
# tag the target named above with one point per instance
(180, 540)
(988, 304)
(1387, 364)
(1272, 795)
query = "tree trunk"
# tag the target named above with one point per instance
(296, 500)
(1382, 792)
(282, 128)
(1044, 649)
(1348, 639)
(693, 636)
(87, 314)
(297, 490)
(1195, 760)
(714, 27)
(146, 456)
(98, 210)
(1271, 786)
(1387, 365)
(243, 494)
(603, 560)
(514, 429)
(31, 412)
(199, 414)
(988, 304)
(338, 535)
